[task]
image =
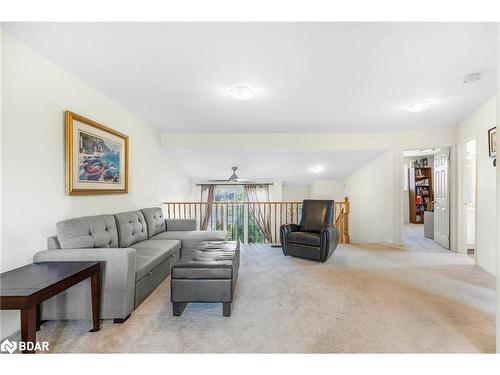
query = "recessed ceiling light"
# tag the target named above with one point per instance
(317, 169)
(472, 77)
(241, 92)
(419, 106)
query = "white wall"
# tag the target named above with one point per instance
(35, 92)
(498, 194)
(371, 193)
(296, 193)
(476, 126)
(328, 189)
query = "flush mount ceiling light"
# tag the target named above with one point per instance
(427, 150)
(241, 92)
(419, 106)
(472, 77)
(317, 169)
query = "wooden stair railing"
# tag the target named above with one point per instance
(238, 220)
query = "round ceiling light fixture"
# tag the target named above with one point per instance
(317, 169)
(419, 106)
(427, 150)
(241, 92)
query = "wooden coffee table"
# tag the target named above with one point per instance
(25, 288)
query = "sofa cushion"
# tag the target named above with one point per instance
(304, 238)
(191, 238)
(150, 254)
(181, 224)
(131, 228)
(87, 232)
(154, 220)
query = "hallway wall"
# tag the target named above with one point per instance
(371, 193)
(476, 126)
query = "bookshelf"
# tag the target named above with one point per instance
(421, 194)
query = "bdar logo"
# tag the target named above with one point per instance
(8, 346)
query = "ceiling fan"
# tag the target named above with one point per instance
(234, 178)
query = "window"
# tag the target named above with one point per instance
(229, 193)
(229, 213)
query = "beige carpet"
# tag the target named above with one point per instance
(365, 299)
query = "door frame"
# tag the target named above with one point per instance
(462, 211)
(453, 191)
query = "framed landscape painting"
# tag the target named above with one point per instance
(96, 157)
(492, 142)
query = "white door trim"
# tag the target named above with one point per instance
(441, 183)
(462, 211)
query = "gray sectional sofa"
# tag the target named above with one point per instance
(138, 248)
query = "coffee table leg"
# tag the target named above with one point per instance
(95, 283)
(28, 327)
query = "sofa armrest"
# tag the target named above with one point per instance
(118, 279)
(285, 229)
(181, 224)
(328, 242)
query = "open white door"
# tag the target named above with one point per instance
(441, 200)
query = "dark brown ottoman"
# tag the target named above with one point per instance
(207, 273)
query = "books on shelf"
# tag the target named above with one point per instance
(424, 182)
(420, 190)
(420, 163)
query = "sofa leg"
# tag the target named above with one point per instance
(120, 321)
(178, 308)
(226, 308)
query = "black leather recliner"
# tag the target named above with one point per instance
(315, 237)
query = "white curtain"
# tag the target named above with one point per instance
(260, 193)
(207, 195)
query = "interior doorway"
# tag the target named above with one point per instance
(469, 197)
(426, 199)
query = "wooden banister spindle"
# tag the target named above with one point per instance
(347, 208)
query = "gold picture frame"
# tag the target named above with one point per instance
(492, 142)
(96, 157)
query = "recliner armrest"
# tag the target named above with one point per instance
(328, 242)
(180, 224)
(291, 227)
(285, 229)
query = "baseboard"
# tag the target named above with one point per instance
(492, 272)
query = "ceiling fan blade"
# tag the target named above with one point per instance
(217, 180)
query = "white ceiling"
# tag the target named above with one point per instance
(290, 166)
(307, 76)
